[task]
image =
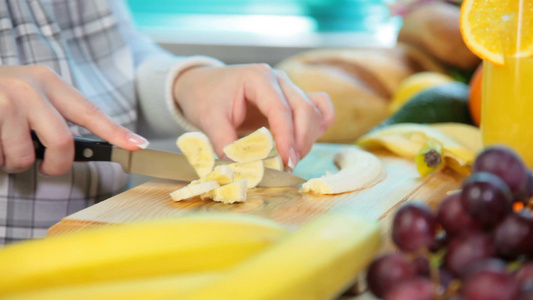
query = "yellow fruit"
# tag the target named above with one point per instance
(198, 150)
(359, 169)
(407, 139)
(171, 287)
(318, 261)
(430, 158)
(196, 243)
(494, 28)
(413, 85)
(255, 146)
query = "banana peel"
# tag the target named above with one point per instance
(460, 142)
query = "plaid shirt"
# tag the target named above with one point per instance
(92, 45)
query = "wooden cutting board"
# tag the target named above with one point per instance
(286, 205)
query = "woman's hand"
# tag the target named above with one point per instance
(222, 100)
(35, 98)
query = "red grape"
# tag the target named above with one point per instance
(412, 289)
(466, 249)
(529, 184)
(525, 273)
(491, 285)
(504, 163)
(414, 227)
(388, 270)
(491, 264)
(486, 198)
(526, 291)
(453, 218)
(421, 265)
(514, 236)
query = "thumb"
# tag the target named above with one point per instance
(221, 133)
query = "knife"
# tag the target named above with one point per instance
(154, 163)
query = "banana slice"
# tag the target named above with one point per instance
(230, 193)
(190, 191)
(275, 163)
(255, 146)
(221, 174)
(359, 169)
(253, 171)
(198, 150)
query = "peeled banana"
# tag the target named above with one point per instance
(407, 139)
(230, 193)
(318, 261)
(198, 150)
(196, 243)
(359, 169)
(192, 190)
(221, 174)
(255, 146)
(252, 171)
(167, 287)
(274, 162)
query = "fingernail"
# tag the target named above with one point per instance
(139, 140)
(293, 159)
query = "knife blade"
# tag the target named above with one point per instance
(154, 163)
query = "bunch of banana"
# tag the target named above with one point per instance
(317, 261)
(130, 252)
(227, 183)
(359, 169)
(456, 144)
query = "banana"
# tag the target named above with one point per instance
(252, 171)
(195, 243)
(429, 158)
(274, 162)
(167, 287)
(192, 190)
(255, 146)
(407, 139)
(467, 135)
(359, 169)
(230, 193)
(198, 150)
(318, 261)
(221, 174)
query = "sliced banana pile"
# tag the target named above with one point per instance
(228, 183)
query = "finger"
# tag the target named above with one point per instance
(78, 109)
(2, 159)
(266, 94)
(307, 117)
(323, 102)
(54, 134)
(220, 132)
(17, 146)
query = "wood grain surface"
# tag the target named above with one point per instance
(285, 205)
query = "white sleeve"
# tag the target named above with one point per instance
(159, 114)
(156, 71)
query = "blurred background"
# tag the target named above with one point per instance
(373, 57)
(243, 31)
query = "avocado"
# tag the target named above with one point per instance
(447, 102)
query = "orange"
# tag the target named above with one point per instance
(493, 29)
(474, 95)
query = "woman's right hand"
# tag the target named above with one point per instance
(35, 98)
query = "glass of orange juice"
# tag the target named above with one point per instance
(507, 105)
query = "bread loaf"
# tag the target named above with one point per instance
(434, 28)
(359, 81)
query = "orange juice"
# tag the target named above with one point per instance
(507, 105)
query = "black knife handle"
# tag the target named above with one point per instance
(85, 149)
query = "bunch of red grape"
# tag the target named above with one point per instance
(477, 245)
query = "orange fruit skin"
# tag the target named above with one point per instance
(474, 96)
